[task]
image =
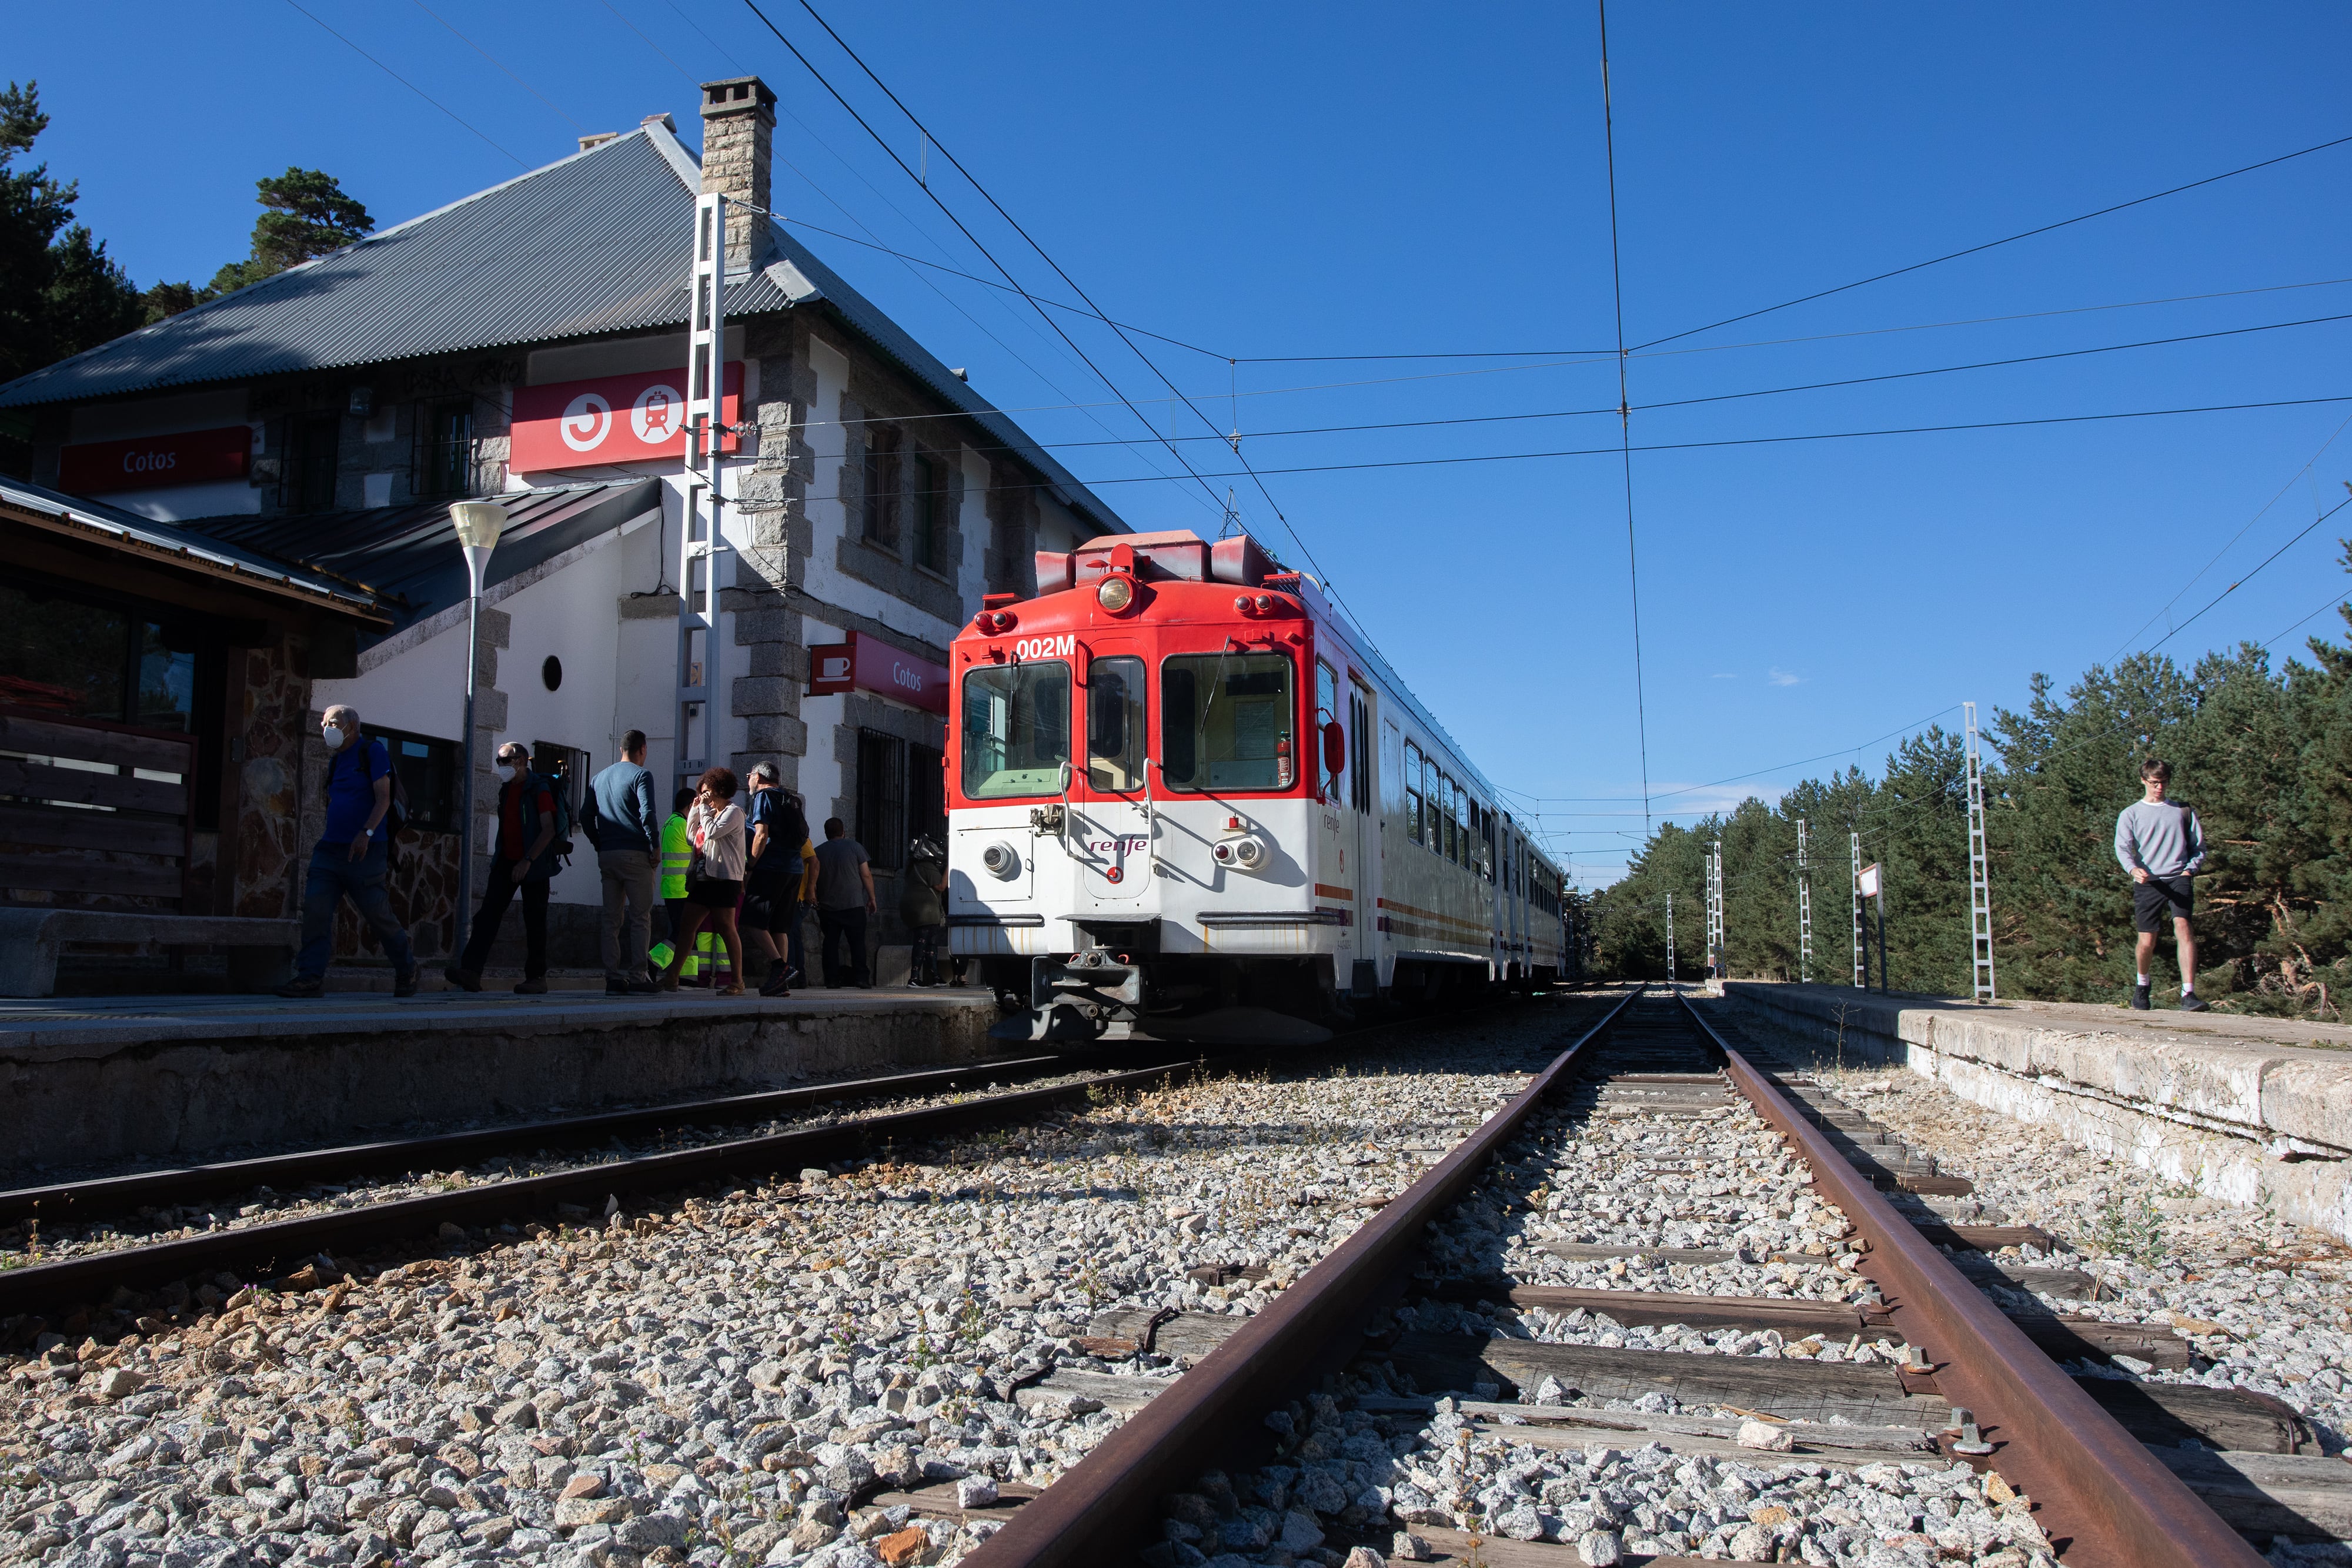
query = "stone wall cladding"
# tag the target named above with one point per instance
(2236, 1119)
(268, 850)
(184, 1098)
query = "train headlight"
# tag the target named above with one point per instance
(1002, 861)
(1116, 593)
(1246, 852)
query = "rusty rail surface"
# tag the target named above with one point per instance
(1100, 1511)
(2095, 1481)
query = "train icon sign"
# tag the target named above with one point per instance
(612, 419)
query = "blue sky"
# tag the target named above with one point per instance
(1277, 180)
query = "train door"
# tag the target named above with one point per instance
(1363, 783)
(1113, 836)
(1336, 861)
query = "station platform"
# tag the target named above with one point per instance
(2254, 1110)
(94, 1081)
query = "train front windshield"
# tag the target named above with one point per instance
(1224, 720)
(1016, 729)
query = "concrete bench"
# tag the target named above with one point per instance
(261, 952)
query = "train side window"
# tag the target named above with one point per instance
(1115, 724)
(1226, 721)
(1016, 729)
(1449, 807)
(1485, 843)
(1326, 711)
(1413, 798)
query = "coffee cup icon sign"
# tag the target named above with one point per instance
(659, 413)
(587, 420)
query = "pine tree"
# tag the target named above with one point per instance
(59, 291)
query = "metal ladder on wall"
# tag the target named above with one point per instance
(1980, 882)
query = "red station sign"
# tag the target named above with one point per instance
(612, 419)
(190, 457)
(868, 664)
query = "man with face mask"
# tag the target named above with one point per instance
(523, 861)
(350, 859)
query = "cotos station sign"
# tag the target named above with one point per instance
(612, 419)
(865, 664)
(190, 457)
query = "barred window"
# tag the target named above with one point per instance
(882, 798)
(882, 486)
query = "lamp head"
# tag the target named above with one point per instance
(479, 523)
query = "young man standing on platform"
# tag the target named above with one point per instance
(844, 897)
(2160, 844)
(780, 862)
(625, 832)
(351, 859)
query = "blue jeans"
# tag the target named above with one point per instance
(334, 877)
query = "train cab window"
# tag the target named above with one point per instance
(1226, 721)
(1115, 731)
(1415, 798)
(1016, 729)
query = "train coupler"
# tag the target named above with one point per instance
(1076, 1001)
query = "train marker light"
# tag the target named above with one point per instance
(1264, 602)
(1116, 593)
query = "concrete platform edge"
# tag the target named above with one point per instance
(2238, 1121)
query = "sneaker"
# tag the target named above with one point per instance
(777, 984)
(2139, 998)
(404, 984)
(532, 989)
(464, 979)
(302, 987)
(616, 988)
(643, 987)
(2190, 1002)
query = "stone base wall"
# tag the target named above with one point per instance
(82, 1104)
(2227, 1119)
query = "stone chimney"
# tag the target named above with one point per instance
(739, 141)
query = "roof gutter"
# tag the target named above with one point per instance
(184, 559)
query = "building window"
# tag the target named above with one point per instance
(80, 658)
(444, 449)
(927, 500)
(312, 464)
(882, 798)
(566, 765)
(429, 772)
(882, 486)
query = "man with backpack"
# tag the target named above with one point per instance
(2161, 846)
(352, 857)
(532, 814)
(618, 818)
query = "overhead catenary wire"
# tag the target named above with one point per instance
(1624, 413)
(501, 64)
(2008, 239)
(2300, 535)
(411, 86)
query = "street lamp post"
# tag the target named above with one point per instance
(478, 525)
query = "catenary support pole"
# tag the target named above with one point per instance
(1804, 910)
(1860, 932)
(1670, 939)
(701, 540)
(1980, 881)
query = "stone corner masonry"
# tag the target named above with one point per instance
(2241, 1119)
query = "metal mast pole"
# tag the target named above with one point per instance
(1980, 882)
(701, 543)
(1860, 932)
(465, 811)
(1670, 941)
(1804, 910)
(1715, 956)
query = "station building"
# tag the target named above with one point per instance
(526, 344)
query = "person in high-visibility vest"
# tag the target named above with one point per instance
(678, 854)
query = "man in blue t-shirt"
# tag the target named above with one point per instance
(350, 859)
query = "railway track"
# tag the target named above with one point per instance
(1366, 1391)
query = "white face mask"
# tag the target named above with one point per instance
(506, 772)
(333, 735)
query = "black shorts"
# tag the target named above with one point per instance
(773, 907)
(2161, 899)
(716, 893)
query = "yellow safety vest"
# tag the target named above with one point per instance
(678, 854)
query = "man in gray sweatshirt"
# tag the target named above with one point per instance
(2161, 846)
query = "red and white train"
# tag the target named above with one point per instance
(1180, 781)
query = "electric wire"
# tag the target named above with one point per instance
(411, 86)
(501, 65)
(2011, 239)
(1624, 413)
(2266, 561)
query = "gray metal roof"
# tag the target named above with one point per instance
(407, 557)
(587, 246)
(194, 547)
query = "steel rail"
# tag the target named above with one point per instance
(1100, 1510)
(2097, 1482)
(79, 1200)
(79, 1278)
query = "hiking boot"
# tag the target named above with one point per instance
(2190, 1002)
(464, 979)
(303, 986)
(534, 988)
(404, 984)
(2139, 998)
(642, 988)
(616, 988)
